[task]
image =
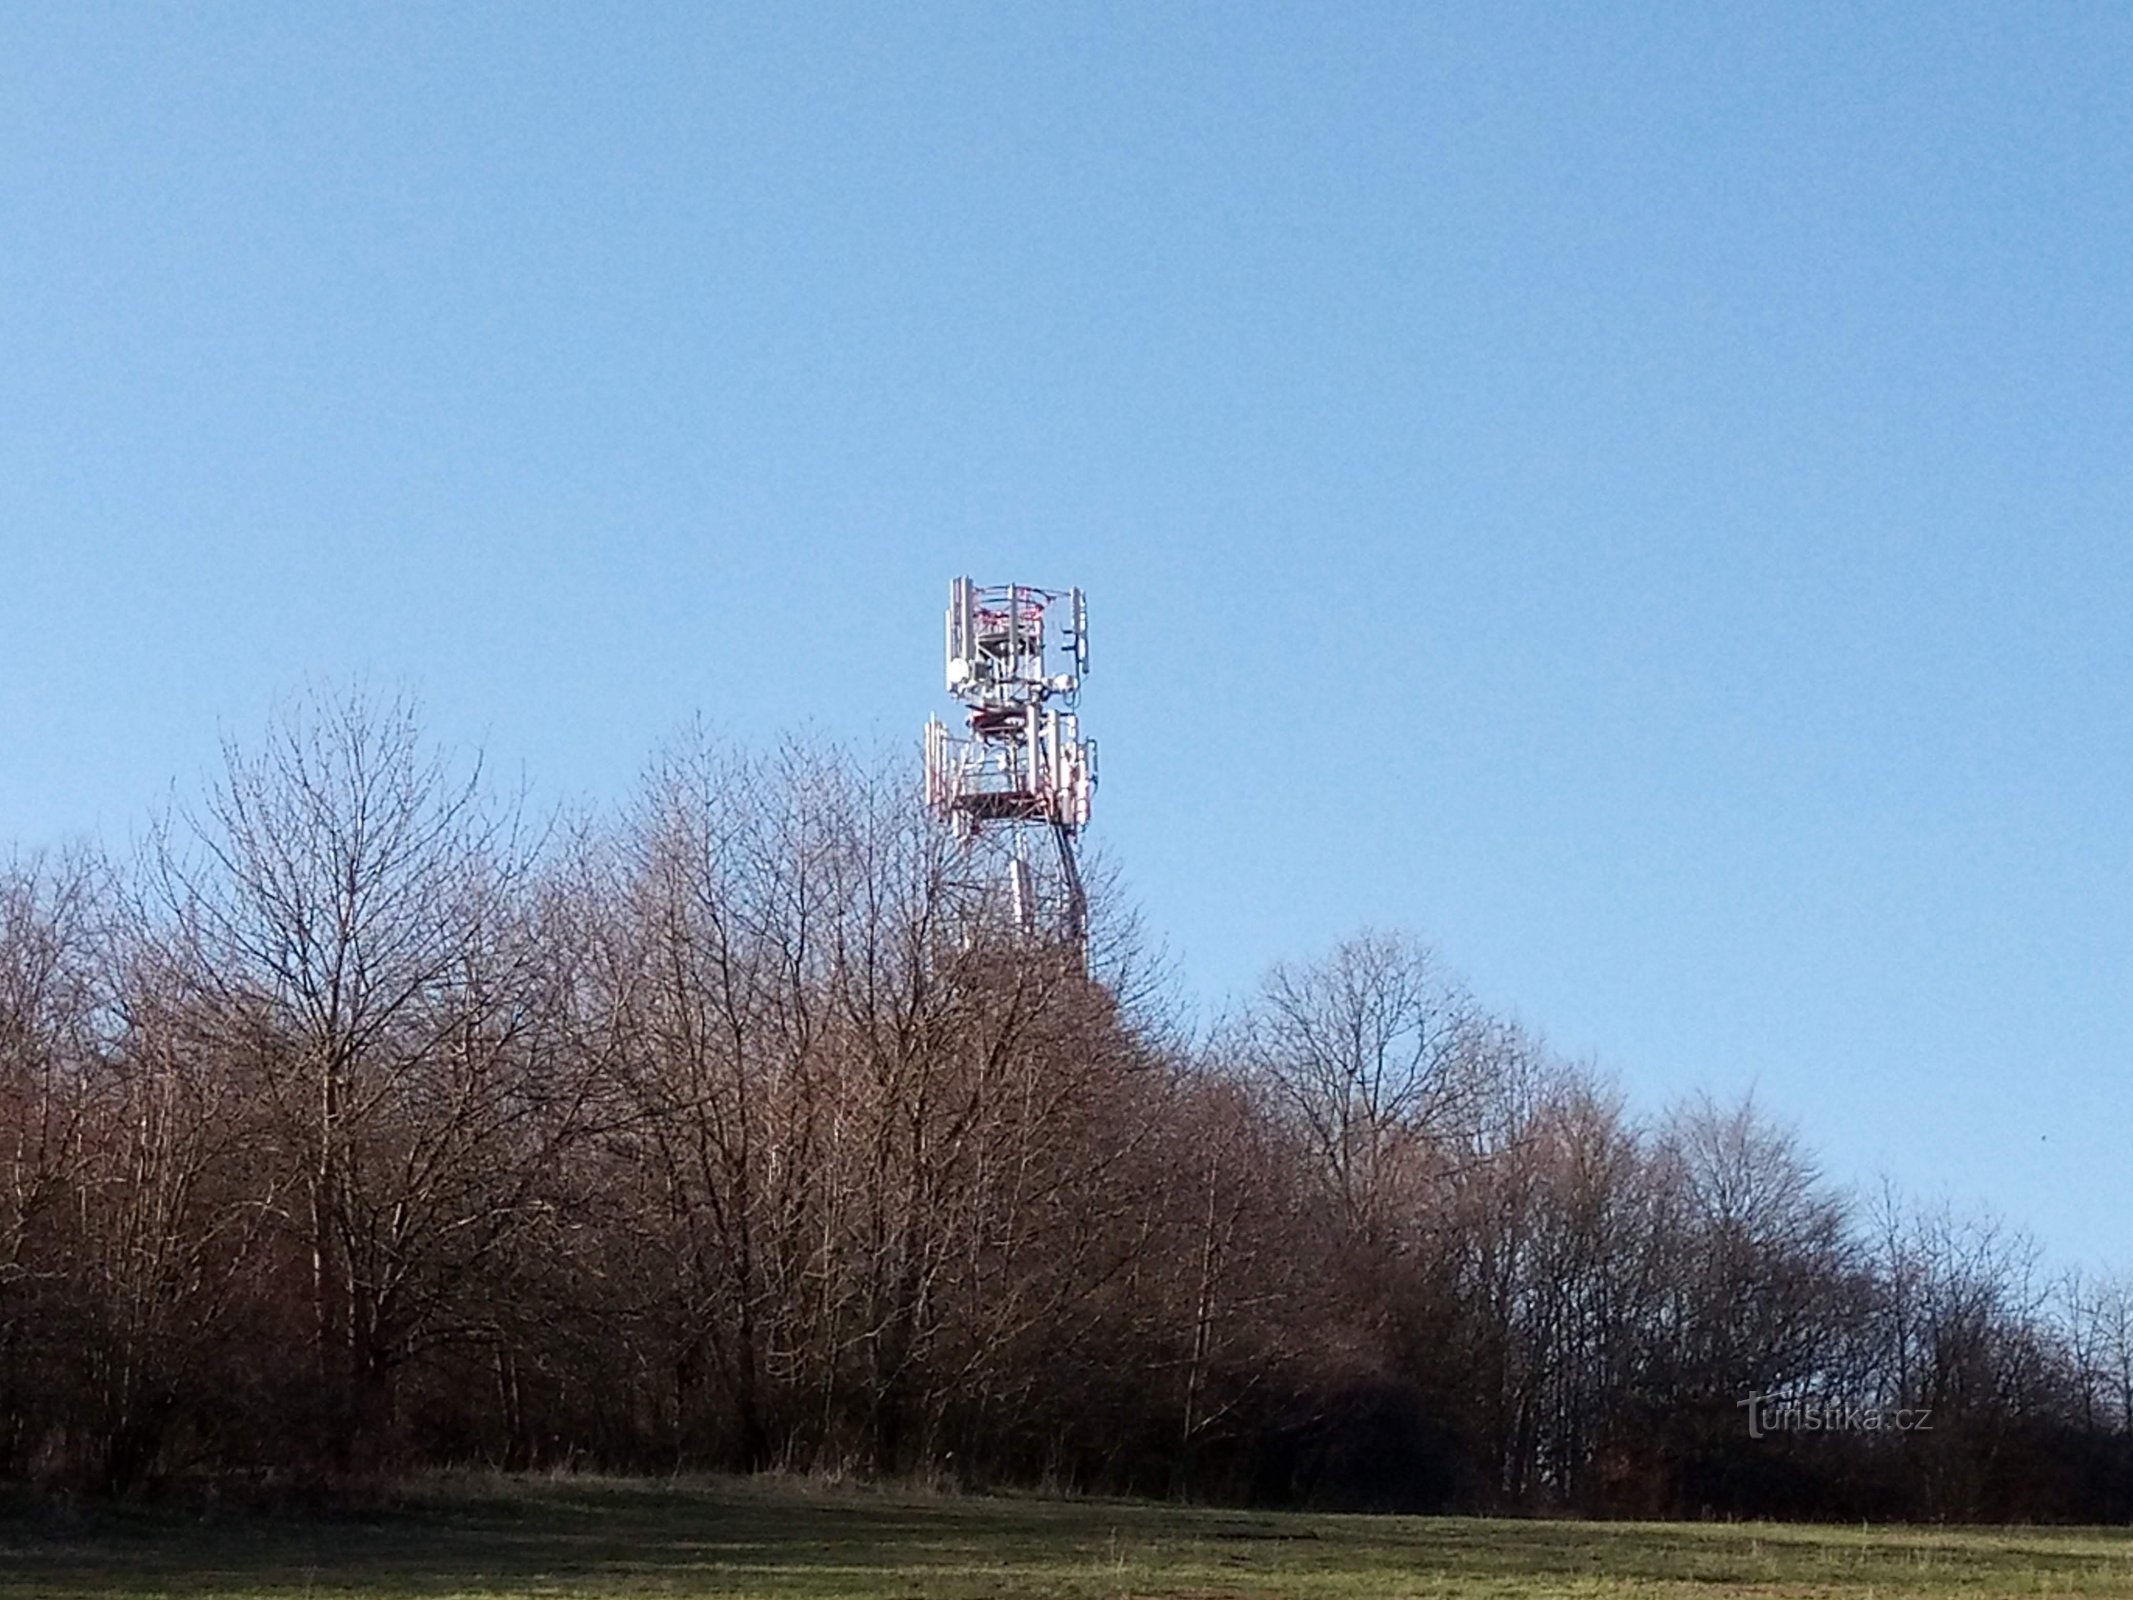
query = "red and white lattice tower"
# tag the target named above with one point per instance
(1021, 769)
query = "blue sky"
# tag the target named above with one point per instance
(1638, 494)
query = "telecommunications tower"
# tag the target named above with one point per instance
(1021, 770)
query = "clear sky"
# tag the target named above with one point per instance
(1638, 494)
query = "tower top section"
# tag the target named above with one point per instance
(1012, 644)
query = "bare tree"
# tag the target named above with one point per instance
(354, 917)
(1378, 1055)
(53, 1007)
(1762, 1283)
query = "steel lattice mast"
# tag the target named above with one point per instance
(1020, 769)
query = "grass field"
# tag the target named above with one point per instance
(593, 1537)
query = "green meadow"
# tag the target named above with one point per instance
(777, 1538)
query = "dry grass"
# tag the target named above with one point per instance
(495, 1537)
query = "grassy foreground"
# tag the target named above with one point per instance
(592, 1537)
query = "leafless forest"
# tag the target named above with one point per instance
(358, 1121)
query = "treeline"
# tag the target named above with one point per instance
(356, 1126)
